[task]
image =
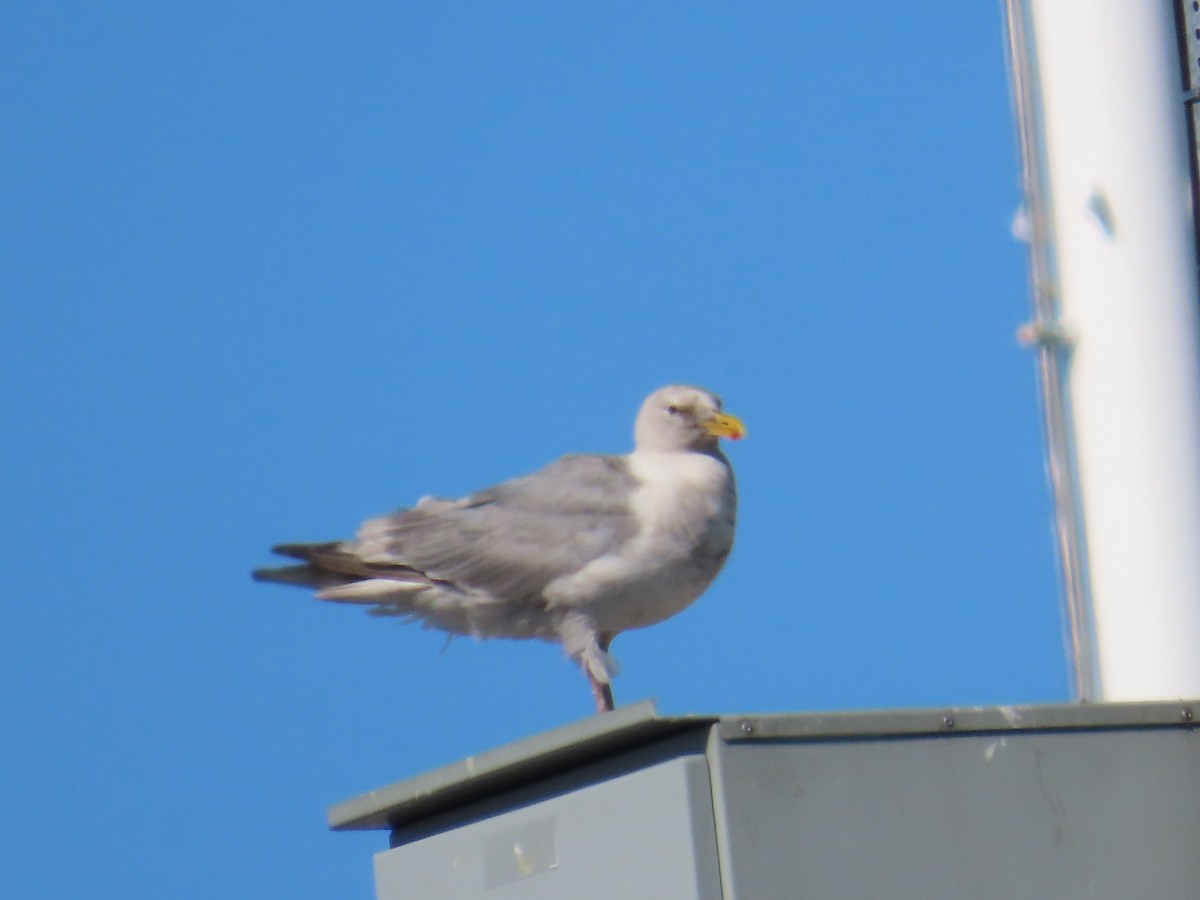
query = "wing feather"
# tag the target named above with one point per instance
(510, 540)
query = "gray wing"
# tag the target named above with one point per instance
(513, 539)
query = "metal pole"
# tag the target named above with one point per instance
(1052, 346)
(1108, 186)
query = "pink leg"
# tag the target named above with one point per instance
(601, 692)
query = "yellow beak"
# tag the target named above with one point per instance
(724, 425)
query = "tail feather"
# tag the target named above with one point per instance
(305, 551)
(393, 589)
(302, 576)
(375, 590)
(331, 566)
(312, 574)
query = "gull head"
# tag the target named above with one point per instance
(678, 417)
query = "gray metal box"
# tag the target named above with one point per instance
(1016, 802)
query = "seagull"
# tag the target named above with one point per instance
(576, 553)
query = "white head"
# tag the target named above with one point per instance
(679, 417)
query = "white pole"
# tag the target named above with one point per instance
(1116, 188)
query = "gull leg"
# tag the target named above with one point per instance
(602, 693)
(601, 690)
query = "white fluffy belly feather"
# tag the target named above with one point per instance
(684, 506)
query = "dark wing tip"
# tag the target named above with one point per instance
(309, 576)
(302, 575)
(303, 551)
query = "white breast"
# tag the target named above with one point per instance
(678, 492)
(684, 508)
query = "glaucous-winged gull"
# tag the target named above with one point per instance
(588, 547)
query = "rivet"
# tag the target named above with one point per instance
(948, 721)
(747, 728)
(1186, 714)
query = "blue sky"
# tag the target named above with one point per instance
(270, 270)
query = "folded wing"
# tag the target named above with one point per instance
(444, 561)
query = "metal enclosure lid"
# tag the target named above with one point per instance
(909, 722)
(550, 753)
(531, 759)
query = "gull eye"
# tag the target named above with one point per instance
(674, 410)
